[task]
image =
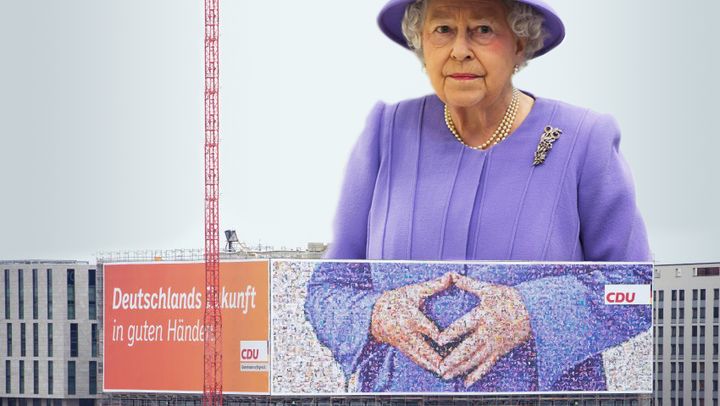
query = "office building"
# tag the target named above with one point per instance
(686, 301)
(51, 333)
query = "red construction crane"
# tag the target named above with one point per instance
(212, 318)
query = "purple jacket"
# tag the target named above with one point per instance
(413, 192)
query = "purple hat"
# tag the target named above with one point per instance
(391, 16)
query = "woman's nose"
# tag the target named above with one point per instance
(461, 48)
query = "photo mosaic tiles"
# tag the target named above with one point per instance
(411, 327)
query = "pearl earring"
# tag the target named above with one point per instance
(516, 69)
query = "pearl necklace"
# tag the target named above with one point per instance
(502, 131)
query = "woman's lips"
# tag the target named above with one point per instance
(464, 76)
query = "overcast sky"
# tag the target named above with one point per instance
(101, 116)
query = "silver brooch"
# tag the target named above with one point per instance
(549, 136)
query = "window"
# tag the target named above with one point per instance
(93, 377)
(94, 340)
(50, 377)
(22, 339)
(92, 295)
(36, 339)
(708, 271)
(73, 340)
(71, 294)
(36, 378)
(660, 331)
(21, 295)
(71, 377)
(49, 294)
(35, 293)
(9, 339)
(7, 293)
(50, 340)
(661, 295)
(21, 374)
(8, 377)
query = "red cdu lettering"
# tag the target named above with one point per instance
(620, 297)
(249, 354)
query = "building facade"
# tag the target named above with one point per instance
(51, 342)
(51, 333)
(686, 299)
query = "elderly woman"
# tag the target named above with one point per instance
(478, 171)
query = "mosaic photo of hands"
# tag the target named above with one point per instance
(331, 340)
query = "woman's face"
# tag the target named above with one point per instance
(470, 51)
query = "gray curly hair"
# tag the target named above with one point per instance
(524, 21)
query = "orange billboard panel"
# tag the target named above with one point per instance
(154, 333)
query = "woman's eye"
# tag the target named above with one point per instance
(443, 29)
(484, 29)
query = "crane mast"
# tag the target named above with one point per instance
(212, 318)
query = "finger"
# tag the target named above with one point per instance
(453, 276)
(480, 371)
(424, 326)
(450, 366)
(476, 358)
(415, 348)
(471, 285)
(465, 324)
(433, 286)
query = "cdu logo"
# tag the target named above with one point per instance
(253, 351)
(254, 356)
(628, 294)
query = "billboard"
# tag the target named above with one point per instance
(154, 334)
(372, 327)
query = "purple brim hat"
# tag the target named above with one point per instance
(391, 16)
